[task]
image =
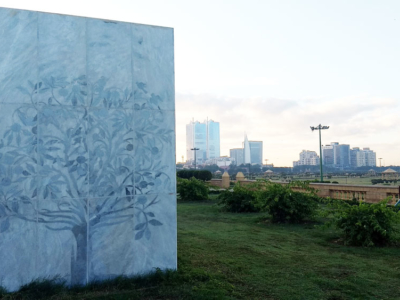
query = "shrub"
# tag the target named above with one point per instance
(241, 199)
(204, 175)
(366, 224)
(288, 206)
(376, 181)
(192, 189)
(319, 181)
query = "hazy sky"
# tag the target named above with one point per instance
(274, 68)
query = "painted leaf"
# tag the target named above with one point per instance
(155, 222)
(140, 226)
(139, 235)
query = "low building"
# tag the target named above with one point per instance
(362, 157)
(237, 154)
(222, 162)
(307, 158)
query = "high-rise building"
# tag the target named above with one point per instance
(362, 158)
(196, 137)
(237, 155)
(307, 158)
(336, 155)
(213, 140)
(251, 153)
(204, 136)
(256, 152)
(341, 155)
(246, 150)
(370, 157)
(327, 155)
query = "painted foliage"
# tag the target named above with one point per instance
(86, 164)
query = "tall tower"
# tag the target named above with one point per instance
(196, 137)
(246, 149)
(213, 139)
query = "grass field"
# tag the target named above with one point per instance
(242, 256)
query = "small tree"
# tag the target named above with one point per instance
(241, 199)
(285, 205)
(365, 224)
(192, 189)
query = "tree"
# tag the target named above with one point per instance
(89, 160)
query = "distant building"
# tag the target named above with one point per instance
(327, 155)
(256, 152)
(222, 162)
(362, 158)
(251, 153)
(268, 165)
(336, 155)
(246, 150)
(237, 154)
(196, 137)
(307, 158)
(204, 136)
(213, 139)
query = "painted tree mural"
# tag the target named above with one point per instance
(76, 159)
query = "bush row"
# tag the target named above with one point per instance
(376, 181)
(203, 175)
(362, 224)
(280, 201)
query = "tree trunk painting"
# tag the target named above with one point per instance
(80, 261)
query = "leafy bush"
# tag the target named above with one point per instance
(241, 199)
(203, 175)
(192, 189)
(365, 224)
(376, 181)
(319, 181)
(288, 206)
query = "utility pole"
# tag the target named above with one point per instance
(380, 162)
(195, 161)
(320, 127)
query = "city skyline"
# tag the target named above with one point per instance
(334, 154)
(273, 69)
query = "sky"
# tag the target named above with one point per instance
(274, 68)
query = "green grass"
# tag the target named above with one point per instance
(241, 256)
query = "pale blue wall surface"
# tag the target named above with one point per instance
(87, 148)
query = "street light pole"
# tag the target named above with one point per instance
(320, 127)
(195, 161)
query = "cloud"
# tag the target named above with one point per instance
(284, 124)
